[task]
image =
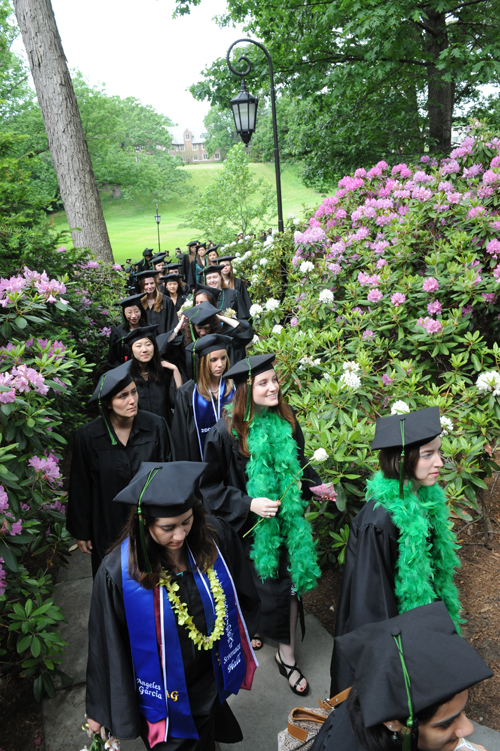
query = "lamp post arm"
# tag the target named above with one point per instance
(273, 112)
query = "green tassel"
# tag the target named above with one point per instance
(402, 460)
(408, 731)
(194, 360)
(248, 406)
(103, 414)
(142, 534)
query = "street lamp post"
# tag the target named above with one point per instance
(244, 107)
(157, 219)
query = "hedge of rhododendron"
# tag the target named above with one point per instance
(44, 379)
(391, 293)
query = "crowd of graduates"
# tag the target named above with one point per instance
(189, 491)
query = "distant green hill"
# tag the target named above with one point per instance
(132, 227)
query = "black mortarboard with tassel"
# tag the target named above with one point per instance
(246, 370)
(111, 383)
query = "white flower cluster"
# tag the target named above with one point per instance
(256, 309)
(352, 366)
(272, 304)
(232, 244)
(306, 266)
(263, 261)
(269, 240)
(306, 360)
(400, 408)
(320, 455)
(296, 221)
(255, 339)
(248, 237)
(446, 425)
(277, 329)
(291, 215)
(326, 295)
(489, 381)
(350, 380)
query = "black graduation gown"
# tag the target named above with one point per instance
(154, 397)
(166, 319)
(223, 489)
(336, 734)
(367, 591)
(228, 298)
(241, 335)
(183, 428)
(185, 262)
(244, 301)
(99, 471)
(117, 350)
(111, 696)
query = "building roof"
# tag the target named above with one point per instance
(178, 136)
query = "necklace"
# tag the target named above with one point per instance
(186, 620)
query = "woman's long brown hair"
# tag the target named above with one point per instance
(203, 377)
(235, 420)
(202, 542)
(158, 303)
(225, 284)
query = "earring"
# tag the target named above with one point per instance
(394, 736)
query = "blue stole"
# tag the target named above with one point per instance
(206, 414)
(161, 687)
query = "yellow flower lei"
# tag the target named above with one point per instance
(182, 614)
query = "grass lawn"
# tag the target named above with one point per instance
(132, 227)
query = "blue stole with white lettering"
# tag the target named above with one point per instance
(206, 414)
(161, 687)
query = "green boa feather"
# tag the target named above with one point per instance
(272, 465)
(427, 558)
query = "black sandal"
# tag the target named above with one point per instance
(283, 667)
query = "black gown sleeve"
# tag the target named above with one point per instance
(223, 484)
(111, 698)
(80, 492)
(183, 426)
(166, 444)
(171, 319)
(114, 353)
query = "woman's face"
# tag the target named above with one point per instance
(212, 255)
(124, 404)
(217, 362)
(213, 280)
(441, 732)
(200, 297)
(202, 330)
(172, 287)
(266, 389)
(172, 531)
(143, 350)
(226, 268)
(159, 266)
(201, 252)
(132, 314)
(429, 463)
(149, 285)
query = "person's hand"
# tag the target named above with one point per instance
(265, 507)
(94, 726)
(180, 325)
(85, 546)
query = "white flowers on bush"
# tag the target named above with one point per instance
(277, 329)
(350, 380)
(320, 455)
(269, 240)
(247, 237)
(306, 266)
(255, 278)
(256, 309)
(291, 215)
(326, 295)
(400, 408)
(296, 221)
(446, 425)
(352, 366)
(489, 381)
(255, 339)
(263, 261)
(326, 376)
(233, 244)
(306, 360)
(272, 304)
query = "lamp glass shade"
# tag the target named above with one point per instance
(244, 107)
(157, 217)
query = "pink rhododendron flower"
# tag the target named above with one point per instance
(294, 321)
(493, 247)
(450, 167)
(430, 325)
(47, 467)
(398, 299)
(116, 267)
(375, 295)
(91, 265)
(495, 162)
(368, 334)
(381, 262)
(434, 308)
(106, 331)
(17, 528)
(62, 249)
(490, 177)
(475, 212)
(335, 268)
(386, 380)
(4, 500)
(490, 297)
(430, 284)
(425, 158)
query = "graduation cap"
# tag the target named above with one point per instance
(147, 252)
(141, 333)
(147, 274)
(399, 431)
(214, 291)
(213, 247)
(201, 313)
(127, 302)
(158, 257)
(172, 266)
(247, 369)
(193, 242)
(160, 490)
(227, 259)
(205, 345)
(216, 269)
(202, 245)
(405, 664)
(171, 278)
(111, 383)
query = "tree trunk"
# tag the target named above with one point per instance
(440, 94)
(63, 125)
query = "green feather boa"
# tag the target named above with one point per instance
(427, 558)
(272, 465)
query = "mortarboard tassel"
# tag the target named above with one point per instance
(411, 731)
(195, 341)
(402, 460)
(248, 406)
(144, 564)
(103, 414)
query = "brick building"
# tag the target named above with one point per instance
(191, 148)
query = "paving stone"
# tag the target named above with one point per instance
(74, 598)
(79, 567)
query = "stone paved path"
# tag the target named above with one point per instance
(262, 712)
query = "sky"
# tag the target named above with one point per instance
(136, 49)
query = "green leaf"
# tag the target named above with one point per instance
(38, 688)
(24, 642)
(341, 497)
(36, 646)
(9, 558)
(21, 322)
